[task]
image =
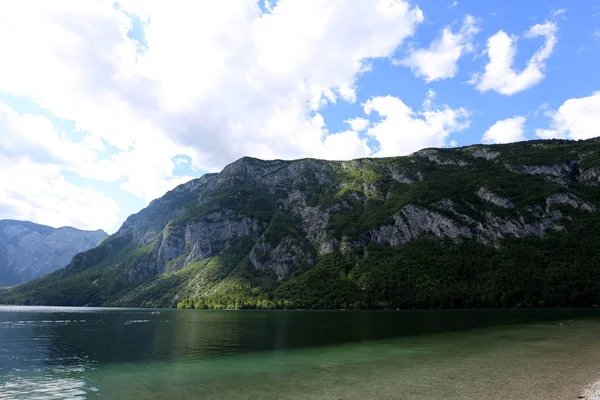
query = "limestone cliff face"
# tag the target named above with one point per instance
(258, 224)
(29, 251)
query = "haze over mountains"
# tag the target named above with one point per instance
(29, 250)
(479, 226)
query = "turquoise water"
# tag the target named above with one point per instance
(85, 353)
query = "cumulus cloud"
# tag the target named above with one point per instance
(34, 137)
(506, 131)
(207, 80)
(267, 75)
(439, 60)
(40, 193)
(207, 68)
(500, 74)
(33, 156)
(577, 118)
(358, 124)
(75, 59)
(345, 145)
(402, 130)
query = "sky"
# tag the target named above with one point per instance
(105, 106)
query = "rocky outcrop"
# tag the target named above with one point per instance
(537, 224)
(169, 246)
(434, 156)
(283, 258)
(407, 177)
(564, 169)
(181, 243)
(569, 200)
(28, 250)
(313, 219)
(269, 175)
(557, 180)
(486, 154)
(494, 198)
(413, 221)
(207, 236)
(590, 176)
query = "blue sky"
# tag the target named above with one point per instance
(106, 105)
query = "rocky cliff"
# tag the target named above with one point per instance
(29, 251)
(481, 225)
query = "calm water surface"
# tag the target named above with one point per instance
(96, 353)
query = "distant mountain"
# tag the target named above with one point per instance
(478, 226)
(29, 250)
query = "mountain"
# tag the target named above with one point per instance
(29, 251)
(478, 226)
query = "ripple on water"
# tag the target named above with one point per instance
(136, 321)
(45, 387)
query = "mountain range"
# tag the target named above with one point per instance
(29, 250)
(512, 225)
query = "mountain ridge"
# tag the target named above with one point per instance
(431, 229)
(29, 250)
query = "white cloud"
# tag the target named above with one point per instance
(33, 137)
(358, 124)
(499, 73)
(558, 12)
(453, 4)
(453, 143)
(403, 131)
(268, 6)
(596, 34)
(346, 145)
(541, 109)
(75, 59)
(33, 156)
(208, 75)
(279, 66)
(577, 118)
(429, 99)
(439, 60)
(506, 131)
(38, 192)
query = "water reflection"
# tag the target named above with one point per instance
(43, 387)
(74, 336)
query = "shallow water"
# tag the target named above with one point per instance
(83, 353)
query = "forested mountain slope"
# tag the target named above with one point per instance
(478, 226)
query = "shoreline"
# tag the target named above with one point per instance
(591, 392)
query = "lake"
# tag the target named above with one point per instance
(102, 353)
